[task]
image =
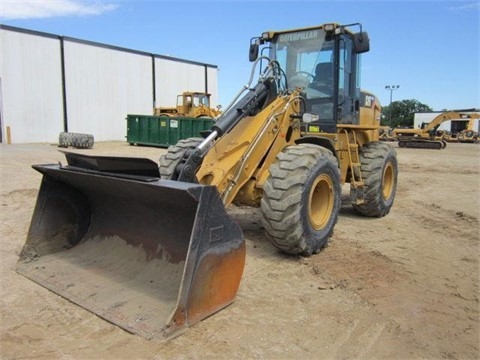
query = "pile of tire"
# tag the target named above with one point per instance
(76, 140)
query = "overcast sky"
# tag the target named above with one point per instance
(429, 48)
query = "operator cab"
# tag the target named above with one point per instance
(193, 99)
(324, 63)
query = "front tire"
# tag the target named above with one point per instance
(174, 156)
(380, 172)
(301, 199)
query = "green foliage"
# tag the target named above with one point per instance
(401, 113)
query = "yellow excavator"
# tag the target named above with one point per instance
(386, 134)
(470, 133)
(152, 248)
(426, 137)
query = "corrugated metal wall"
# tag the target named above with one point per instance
(50, 84)
(420, 118)
(212, 74)
(173, 78)
(102, 86)
(31, 87)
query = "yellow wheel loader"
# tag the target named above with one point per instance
(190, 104)
(152, 248)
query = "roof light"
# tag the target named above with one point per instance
(329, 27)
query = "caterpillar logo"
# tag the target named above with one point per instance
(304, 35)
(368, 100)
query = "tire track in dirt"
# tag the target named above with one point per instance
(413, 290)
(456, 224)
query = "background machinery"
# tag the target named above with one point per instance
(153, 249)
(471, 130)
(427, 136)
(190, 104)
(386, 134)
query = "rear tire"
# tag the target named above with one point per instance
(380, 172)
(174, 156)
(301, 199)
(76, 140)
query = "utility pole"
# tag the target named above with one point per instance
(391, 88)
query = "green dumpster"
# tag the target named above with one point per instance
(164, 131)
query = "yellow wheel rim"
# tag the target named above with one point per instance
(387, 181)
(321, 202)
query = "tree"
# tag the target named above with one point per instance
(401, 113)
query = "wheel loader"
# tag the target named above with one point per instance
(152, 248)
(190, 104)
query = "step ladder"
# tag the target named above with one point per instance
(354, 164)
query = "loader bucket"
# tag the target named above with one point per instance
(149, 255)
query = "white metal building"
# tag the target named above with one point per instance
(449, 125)
(51, 83)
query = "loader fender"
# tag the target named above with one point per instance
(319, 141)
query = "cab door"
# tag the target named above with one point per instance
(348, 93)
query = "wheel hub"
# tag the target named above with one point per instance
(320, 202)
(387, 182)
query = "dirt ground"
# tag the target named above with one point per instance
(401, 287)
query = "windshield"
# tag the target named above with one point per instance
(308, 61)
(201, 99)
(305, 56)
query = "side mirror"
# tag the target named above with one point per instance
(253, 52)
(362, 42)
